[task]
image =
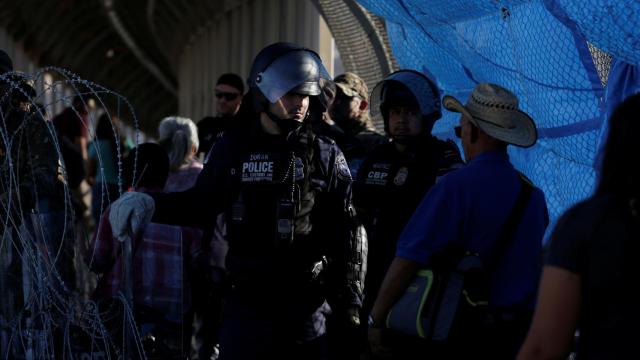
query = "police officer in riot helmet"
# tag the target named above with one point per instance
(395, 177)
(294, 250)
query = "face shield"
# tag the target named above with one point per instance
(424, 92)
(298, 71)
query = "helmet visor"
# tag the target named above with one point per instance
(299, 71)
(423, 90)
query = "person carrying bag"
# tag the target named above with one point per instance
(439, 298)
(479, 233)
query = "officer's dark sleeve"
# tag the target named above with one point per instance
(363, 199)
(348, 244)
(450, 158)
(200, 205)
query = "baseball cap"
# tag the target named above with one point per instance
(352, 85)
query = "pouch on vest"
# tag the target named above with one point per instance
(430, 306)
(238, 211)
(284, 222)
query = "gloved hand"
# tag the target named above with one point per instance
(130, 214)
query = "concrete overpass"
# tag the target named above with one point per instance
(165, 55)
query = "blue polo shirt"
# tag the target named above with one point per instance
(468, 207)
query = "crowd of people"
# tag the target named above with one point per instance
(287, 226)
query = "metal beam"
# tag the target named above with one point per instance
(149, 64)
(360, 41)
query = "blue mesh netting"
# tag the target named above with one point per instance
(611, 25)
(539, 50)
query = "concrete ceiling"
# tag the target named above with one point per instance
(144, 40)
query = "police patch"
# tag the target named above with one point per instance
(258, 168)
(401, 176)
(342, 168)
(376, 178)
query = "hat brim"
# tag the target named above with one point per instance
(522, 134)
(347, 90)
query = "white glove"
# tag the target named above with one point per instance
(130, 214)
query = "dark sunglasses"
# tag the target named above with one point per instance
(227, 96)
(458, 131)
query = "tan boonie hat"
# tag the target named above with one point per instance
(495, 111)
(352, 85)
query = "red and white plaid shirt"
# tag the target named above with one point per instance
(163, 258)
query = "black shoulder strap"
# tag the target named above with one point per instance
(510, 225)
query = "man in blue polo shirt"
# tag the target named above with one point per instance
(467, 208)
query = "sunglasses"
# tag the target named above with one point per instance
(458, 131)
(227, 96)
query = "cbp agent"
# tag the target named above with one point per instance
(294, 250)
(396, 175)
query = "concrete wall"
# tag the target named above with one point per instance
(20, 59)
(230, 42)
(54, 98)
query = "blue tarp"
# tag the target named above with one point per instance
(539, 50)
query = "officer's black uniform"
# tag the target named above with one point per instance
(209, 130)
(392, 183)
(294, 247)
(389, 188)
(355, 147)
(260, 181)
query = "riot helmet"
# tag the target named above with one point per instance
(407, 88)
(283, 68)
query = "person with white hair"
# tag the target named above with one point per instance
(179, 138)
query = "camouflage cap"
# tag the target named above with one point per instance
(352, 85)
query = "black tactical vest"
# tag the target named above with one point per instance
(269, 222)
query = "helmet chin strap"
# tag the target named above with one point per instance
(286, 125)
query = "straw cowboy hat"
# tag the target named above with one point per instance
(495, 111)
